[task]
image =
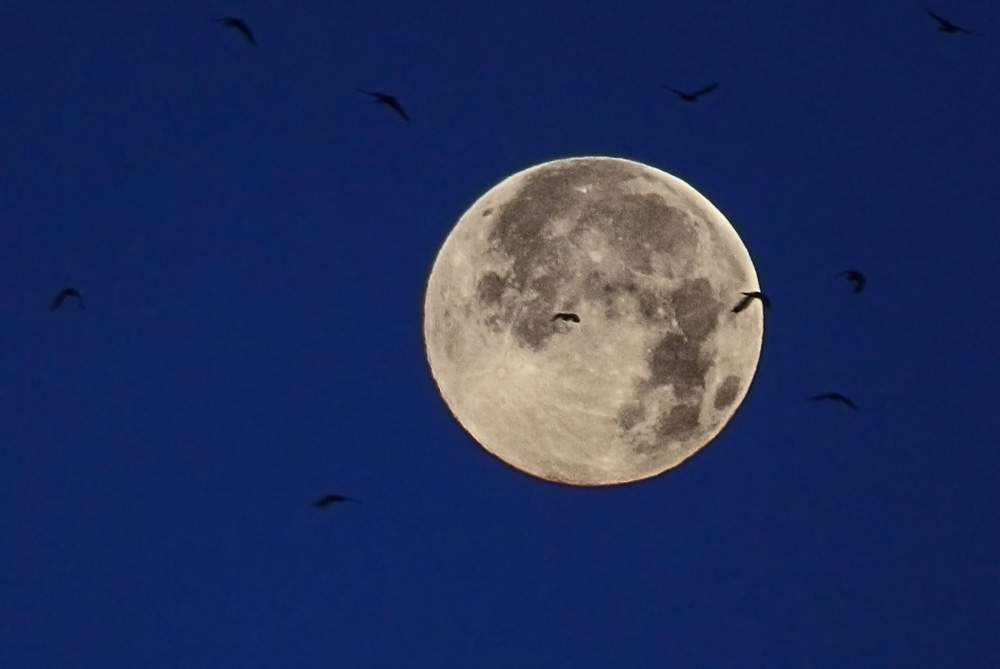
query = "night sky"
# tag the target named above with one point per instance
(253, 236)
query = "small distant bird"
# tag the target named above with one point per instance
(239, 24)
(750, 297)
(855, 277)
(693, 97)
(63, 294)
(563, 316)
(390, 100)
(327, 500)
(836, 397)
(946, 26)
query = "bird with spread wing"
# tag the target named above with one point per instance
(693, 97)
(749, 297)
(388, 100)
(835, 397)
(66, 293)
(238, 24)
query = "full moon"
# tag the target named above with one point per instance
(578, 321)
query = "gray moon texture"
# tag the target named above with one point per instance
(658, 362)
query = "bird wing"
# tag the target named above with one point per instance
(943, 21)
(57, 302)
(245, 29)
(392, 102)
(239, 24)
(838, 397)
(707, 89)
(742, 304)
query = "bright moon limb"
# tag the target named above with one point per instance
(578, 321)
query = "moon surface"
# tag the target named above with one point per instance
(658, 362)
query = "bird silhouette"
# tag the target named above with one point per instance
(63, 294)
(327, 500)
(750, 297)
(239, 24)
(836, 397)
(564, 316)
(390, 100)
(693, 97)
(946, 26)
(855, 277)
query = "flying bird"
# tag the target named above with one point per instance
(855, 277)
(390, 100)
(327, 500)
(239, 24)
(693, 97)
(750, 297)
(946, 26)
(63, 294)
(836, 397)
(563, 316)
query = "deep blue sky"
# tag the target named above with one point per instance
(252, 237)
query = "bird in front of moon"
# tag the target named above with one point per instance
(329, 500)
(695, 95)
(749, 297)
(63, 295)
(562, 316)
(835, 397)
(641, 258)
(238, 24)
(388, 100)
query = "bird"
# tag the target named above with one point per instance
(327, 500)
(855, 277)
(63, 294)
(946, 26)
(748, 298)
(563, 316)
(390, 100)
(693, 97)
(239, 24)
(836, 397)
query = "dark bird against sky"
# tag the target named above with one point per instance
(390, 100)
(946, 26)
(855, 277)
(835, 397)
(693, 97)
(238, 24)
(565, 316)
(63, 294)
(750, 297)
(327, 500)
